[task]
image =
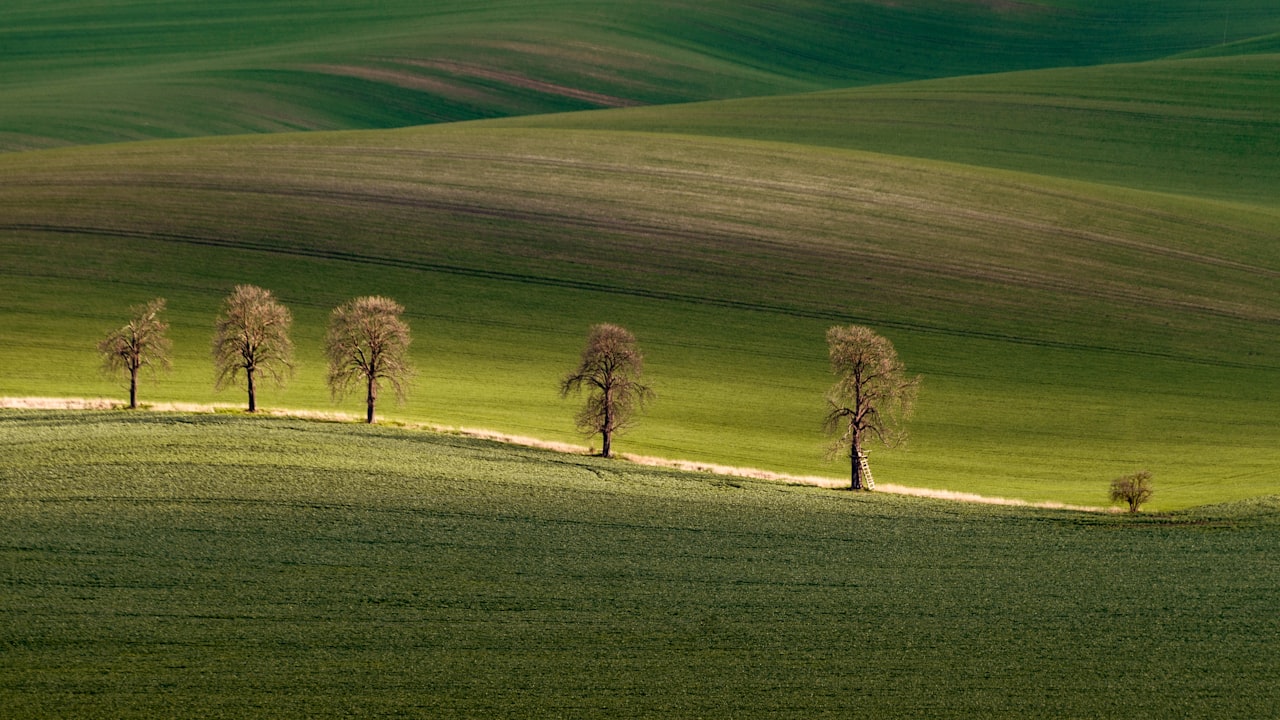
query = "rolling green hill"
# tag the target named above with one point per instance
(1068, 332)
(200, 565)
(1081, 261)
(1064, 213)
(1206, 127)
(73, 71)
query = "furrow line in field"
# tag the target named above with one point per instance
(643, 293)
(1171, 299)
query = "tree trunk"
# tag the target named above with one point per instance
(606, 432)
(371, 395)
(855, 466)
(133, 388)
(253, 398)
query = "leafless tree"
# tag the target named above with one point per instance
(872, 396)
(139, 344)
(367, 342)
(610, 369)
(251, 337)
(1134, 489)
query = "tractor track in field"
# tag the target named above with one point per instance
(637, 292)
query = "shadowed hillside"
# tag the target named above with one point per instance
(258, 567)
(73, 71)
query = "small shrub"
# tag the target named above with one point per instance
(1134, 489)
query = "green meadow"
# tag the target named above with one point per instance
(220, 565)
(1064, 214)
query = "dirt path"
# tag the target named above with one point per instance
(46, 403)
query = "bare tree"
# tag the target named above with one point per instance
(367, 342)
(610, 370)
(872, 396)
(1134, 489)
(251, 337)
(139, 344)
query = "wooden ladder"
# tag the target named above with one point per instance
(868, 482)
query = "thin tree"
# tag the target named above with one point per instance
(610, 370)
(1133, 489)
(368, 343)
(251, 338)
(139, 344)
(871, 398)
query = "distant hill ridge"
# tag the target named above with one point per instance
(74, 72)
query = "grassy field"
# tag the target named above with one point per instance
(1081, 261)
(1068, 333)
(74, 71)
(201, 565)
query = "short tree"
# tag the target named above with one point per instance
(1133, 489)
(368, 343)
(610, 370)
(139, 344)
(251, 338)
(872, 396)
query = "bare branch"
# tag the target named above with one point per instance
(368, 343)
(139, 344)
(610, 369)
(1133, 489)
(872, 396)
(251, 337)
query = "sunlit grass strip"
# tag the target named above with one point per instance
(38, 403)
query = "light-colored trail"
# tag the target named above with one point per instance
(49, 403)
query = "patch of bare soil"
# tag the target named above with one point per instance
(1000, 6)
(521, 81)
(403, 79)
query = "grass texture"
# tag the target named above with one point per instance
(222, 565)
(75, 71)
